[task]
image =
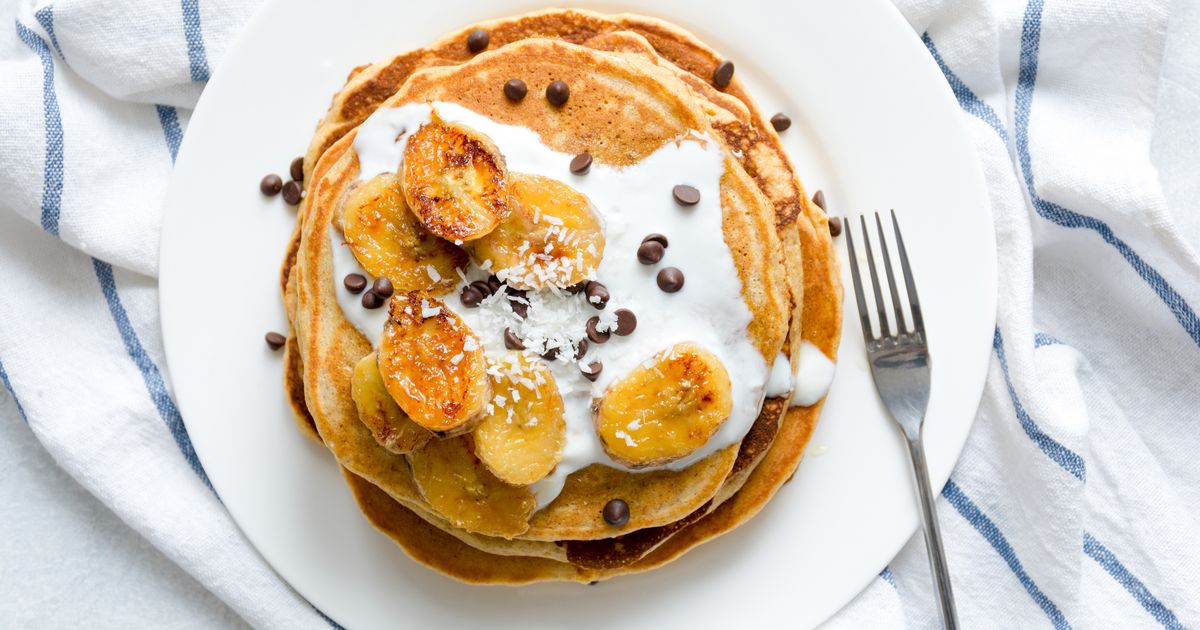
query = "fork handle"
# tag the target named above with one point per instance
(933, 534)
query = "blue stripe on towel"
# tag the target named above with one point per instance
(991, 533)
(1042, 339)
(8, 385)
(1109, 562)
(1063, 456)
(45, 17)
(1031, 35)
(197, 57)
(887, 576)
(168, 117)
(52, 176)
(155, 384)
(966, 98)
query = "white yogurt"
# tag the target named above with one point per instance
(633, 201)
(813, 376)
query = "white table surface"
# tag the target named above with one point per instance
(70, 562)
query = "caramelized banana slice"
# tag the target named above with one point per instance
(455, 180)
(462, 490)
(433, 365)
(552, 237)
(665, 409)
(521, 438)
(389, 424)
(389, 241)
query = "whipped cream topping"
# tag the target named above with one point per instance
(811, 381)
(632, 202)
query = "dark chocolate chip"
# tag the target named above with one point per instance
(271, 185)
(835, 226)
(477, 40)
(581, 349)
(355, 282)
(616, 512)
(781, 122)
(512, 341)
(593, 333)
(819, 199)
(557, 93)
(650, 252)
(582, 163)
(383, 287)
(686, 195)
(723, 74)
(656, 237)
(515, 90)
(550, 354)
(470, 296)
(292, 192)
(494, 283)
(597, 295)
(521, 309)
(626, 322)
(372, 300)
(592, 371)
(670, 279)
(275, 340)
(577, 287)
(297, 169)
(482, 287)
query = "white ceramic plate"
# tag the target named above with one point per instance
(876, 127)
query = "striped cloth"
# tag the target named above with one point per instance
(1073, 504)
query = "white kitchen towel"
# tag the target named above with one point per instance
(1073, 505)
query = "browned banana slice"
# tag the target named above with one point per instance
(455, 180)
(433, 365)
(665, 409)
(553, 237)
(390, 242)
(521, 438)
(389, 424)
(461, 489)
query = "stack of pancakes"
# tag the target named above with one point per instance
(636, 84)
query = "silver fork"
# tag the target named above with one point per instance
(900, 366)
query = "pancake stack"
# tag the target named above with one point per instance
(453, 400)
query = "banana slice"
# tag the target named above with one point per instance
(665, 409)
(389, 424)
(433, 365)
(389, 242)
(455, 180)
(521, 438)
(462, 490)
(552, 237)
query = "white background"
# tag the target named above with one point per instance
(69, 562)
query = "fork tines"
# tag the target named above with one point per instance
(918, 324)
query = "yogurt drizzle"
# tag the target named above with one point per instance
(632, 201)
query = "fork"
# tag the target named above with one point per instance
(900, 367)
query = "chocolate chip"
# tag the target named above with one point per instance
(723, 74)
(594, 334)
(650, 252)
(616, 512)
(670, 279)
(819, 199)
(372, 300)
(781, 122)
(686, 195)
(494, 283)
(626, 322)
(835, 226)
(275, 340)
(383, 287)
(581, 349)
(557, 93)
(597, 295)
(512, 341)
(355, 282)
(297, 169)
(515, 90)
(470, 296)
(292, 192)
(550, 354)
(656, 237)
(477, 40)
(581, 163)
(593, 582)
(482, 287)
(592, 371)
(521, 309)
(577, 287)
(271, 185)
